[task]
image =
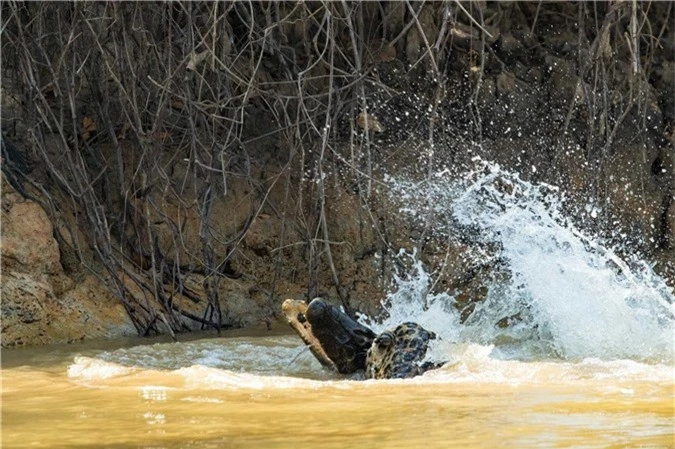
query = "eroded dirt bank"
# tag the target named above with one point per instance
(182, 166)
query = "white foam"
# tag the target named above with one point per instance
(88, 368)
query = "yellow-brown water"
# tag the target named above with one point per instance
(248, 391)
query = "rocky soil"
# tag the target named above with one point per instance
(40, 303)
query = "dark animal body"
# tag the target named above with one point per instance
(341, 343)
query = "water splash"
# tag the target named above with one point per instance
(566, 295)
(466, 363)
(266, 355)
(253, 363)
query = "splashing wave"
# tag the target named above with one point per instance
(567, 295)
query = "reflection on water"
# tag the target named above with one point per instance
(255, 391)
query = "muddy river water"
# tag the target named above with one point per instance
(261, 390)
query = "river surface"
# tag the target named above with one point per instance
(261, 390)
